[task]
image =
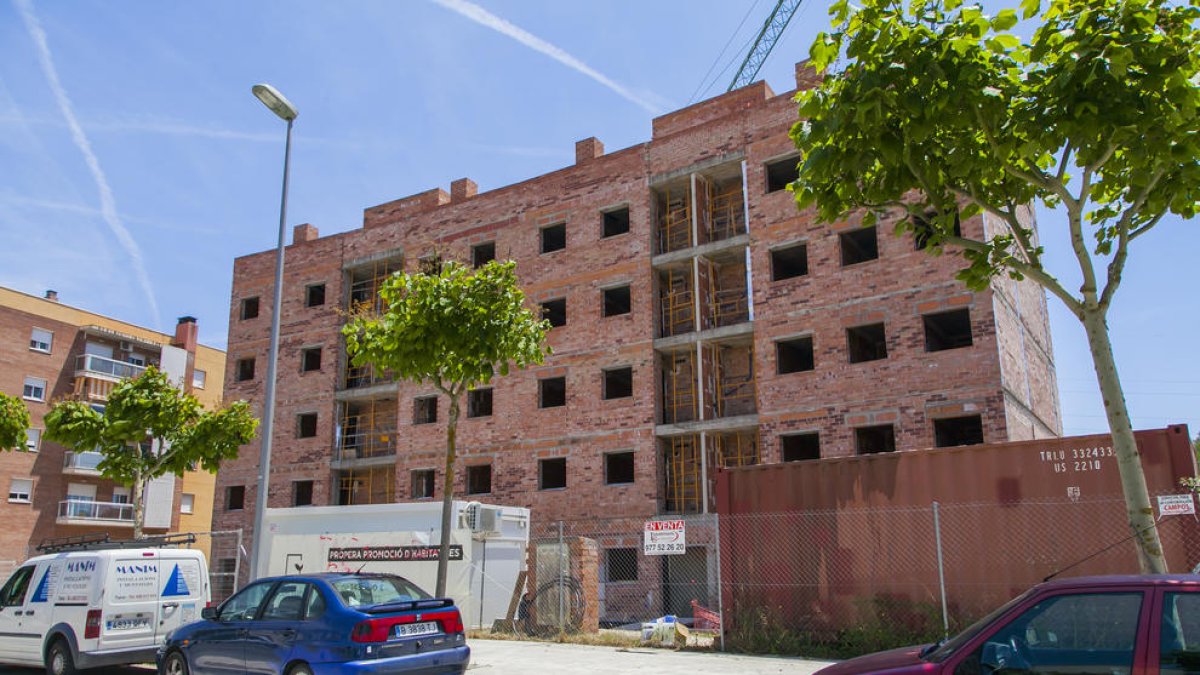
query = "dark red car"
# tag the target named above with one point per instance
(1120, 625)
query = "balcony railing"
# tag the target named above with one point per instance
(109, 512)
(90, 363)
(82, 462)
(365, 444)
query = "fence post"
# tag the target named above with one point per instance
(237, 562)
(720, 590)
(937, 535)
(562, 558)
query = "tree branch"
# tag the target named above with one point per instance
(1014, 224)
(1036, 273)
(1145, 228)
(1117, 265)
(1062, 163)
(1037, 178)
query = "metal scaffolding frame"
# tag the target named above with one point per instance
(367, 485)
(367, 429)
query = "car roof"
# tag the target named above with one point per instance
(1123, 580)
(334, 576)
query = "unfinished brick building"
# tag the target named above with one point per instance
(700, 321)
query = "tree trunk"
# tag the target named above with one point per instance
(1129, 461)
(138, 494)
(447, 499)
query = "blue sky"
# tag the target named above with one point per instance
(135, 165)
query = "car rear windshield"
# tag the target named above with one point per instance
(366, 591)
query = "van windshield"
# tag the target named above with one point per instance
(366, 591)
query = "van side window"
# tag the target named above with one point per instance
(13, 593)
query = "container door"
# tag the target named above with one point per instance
(181, 593)
(131, 601)
(14, 642)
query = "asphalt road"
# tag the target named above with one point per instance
(503, 657)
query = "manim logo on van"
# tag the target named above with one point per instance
(81, 565)
(136, 569)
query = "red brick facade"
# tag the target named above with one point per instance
(710, 160)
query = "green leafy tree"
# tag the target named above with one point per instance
(14, 422)
(148, 429)
(941, 112)
(455, 328)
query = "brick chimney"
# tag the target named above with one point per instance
(52, 296)
(588, 149)
(187, 334)
(462, 190)
(302, 233)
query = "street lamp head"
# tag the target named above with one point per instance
(274, 100)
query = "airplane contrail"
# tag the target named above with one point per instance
(108, 205)
(485, 18)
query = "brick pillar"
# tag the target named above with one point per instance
(303, 233)
(588, 149)
(807, 76)
(462, 190)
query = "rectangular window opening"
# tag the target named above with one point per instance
(616, 222)
(859, 245)
(781, 172)
(552, 392)
(618, 468)
(302, 493)
(425, 409)
(617, 301)
(33, 439)
(555, 311)
(422, 484)
(41, 340)
(306, 425)
(953, 431)
(187, 503)
(249, 308)
(947, 330)
(20, 490)
(923, 230)
(620, 564)
(199, 377)
(866, 343)
(34, 389)
(482, 254)
(479, 479)
(314, 296)
(618, 383)
(874, 440)
(479, 403)
(235, 497)
(789, 262)
(794, 355)
(554, 238)
(245, 369)
(800, 447)
(310, 359)
(552, 473)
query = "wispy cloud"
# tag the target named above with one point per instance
(485, 18)
(169, 128)
(7, 197)
(108, 206)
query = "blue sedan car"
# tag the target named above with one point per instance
(322, 623)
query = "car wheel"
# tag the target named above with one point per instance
(59, 660)
(300, 669)
(175, 664)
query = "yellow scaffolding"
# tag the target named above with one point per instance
(367, 429)
(679, 388)
(365, 282)
(676, 307)
(738, 448)
(675, 221)
(728, 299)
(373, 485)
(727, 214)
(681, 464)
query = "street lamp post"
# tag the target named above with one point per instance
(279, 105)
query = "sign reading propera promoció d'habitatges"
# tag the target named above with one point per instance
(391, 553)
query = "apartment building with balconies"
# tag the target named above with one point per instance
(699, 321)
(51, 351)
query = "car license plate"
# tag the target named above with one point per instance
(410, 629)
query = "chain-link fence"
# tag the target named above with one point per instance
(226, 559)
(825, 583)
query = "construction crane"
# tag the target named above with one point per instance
(764, 43)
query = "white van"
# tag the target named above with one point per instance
(87, 608)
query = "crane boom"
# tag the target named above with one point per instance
(764, 43)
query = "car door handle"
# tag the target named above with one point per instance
(18, 613)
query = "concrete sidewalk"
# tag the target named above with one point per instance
(513, 657)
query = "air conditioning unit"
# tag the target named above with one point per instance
(126, 346)
(482, 521)
(469, 516)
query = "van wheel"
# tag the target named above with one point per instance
(59, 660)
(300, 669)
(175, 664)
